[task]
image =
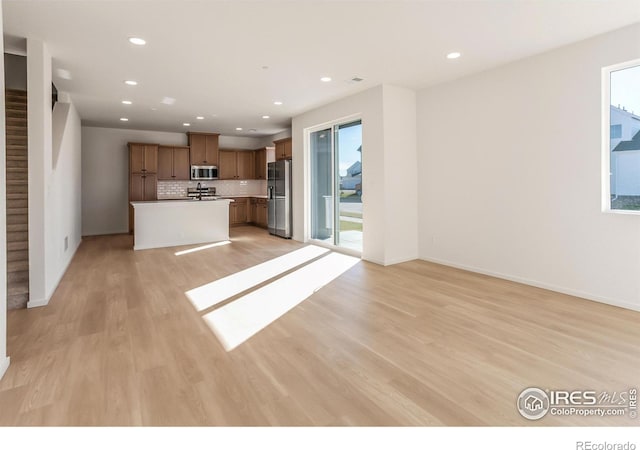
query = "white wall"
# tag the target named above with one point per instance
(514, 189)
(238, 142)
(63, 206)
(268, 140)
(54, 179)
(400, 175)
(4, 360)
(40, 157)
(388, 135)
(105, 165)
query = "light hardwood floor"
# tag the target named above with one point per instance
(412, 344)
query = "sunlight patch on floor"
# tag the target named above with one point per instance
(211, 294)
(237, 321)
(202, 247)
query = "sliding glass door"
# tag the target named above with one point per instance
(322, 186)
(336, 185)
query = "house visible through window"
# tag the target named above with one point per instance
(616, 131)
(624, 137)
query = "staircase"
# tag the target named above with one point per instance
(17, 200)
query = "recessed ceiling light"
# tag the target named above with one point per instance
(252, 130)
(124, 119)
(186, 124)
(126, 102)
(137, 41)
(200, 118)
(131, 83)
(277, 103)
(325, 79)
(238, 129)
(265, 117)
(168, 100)
(454, 55)
(154, 109)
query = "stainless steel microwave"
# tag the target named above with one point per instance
(204, 172)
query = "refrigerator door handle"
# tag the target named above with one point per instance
(270, 194)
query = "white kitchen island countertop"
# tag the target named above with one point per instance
(244, 196)
(169, 223)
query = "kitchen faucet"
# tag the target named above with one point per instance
(199, 187)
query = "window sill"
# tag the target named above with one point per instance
(624, 212)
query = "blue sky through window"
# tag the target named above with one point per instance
(349, 140)
(625, 89)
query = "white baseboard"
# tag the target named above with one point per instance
(400, 260)
(390, 262)
(550, 287)
(36, 303)
(4, 365)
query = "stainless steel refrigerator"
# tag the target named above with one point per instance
(279, 194)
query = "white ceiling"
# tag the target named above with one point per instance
(209, 55)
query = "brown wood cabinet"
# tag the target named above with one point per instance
(228, 167)
(261, 164)
(143, 187)
(262, 213)
(143, 178)
(246, 165)
(143, 158)
(283, 149)
(204, 149)
(173, 163)
(258, 212)
(238, 211)
(251, 210)
(237, 165)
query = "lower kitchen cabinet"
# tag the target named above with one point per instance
(142, 187)
(238, 211)
(261, 213)
(250, 210)
(258, 212)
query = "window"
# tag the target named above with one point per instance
(621, 161)
(616, 131)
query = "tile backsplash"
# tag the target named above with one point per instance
(168, 189)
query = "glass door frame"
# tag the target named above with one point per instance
(332, 125)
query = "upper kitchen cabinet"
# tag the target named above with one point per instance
(263, 156)
(283, 149)
(228, 167)
(237, 165)
(143, 158)
(204, 148)
(246, 165)
(173, 163)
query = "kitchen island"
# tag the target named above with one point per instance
(169, 223)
